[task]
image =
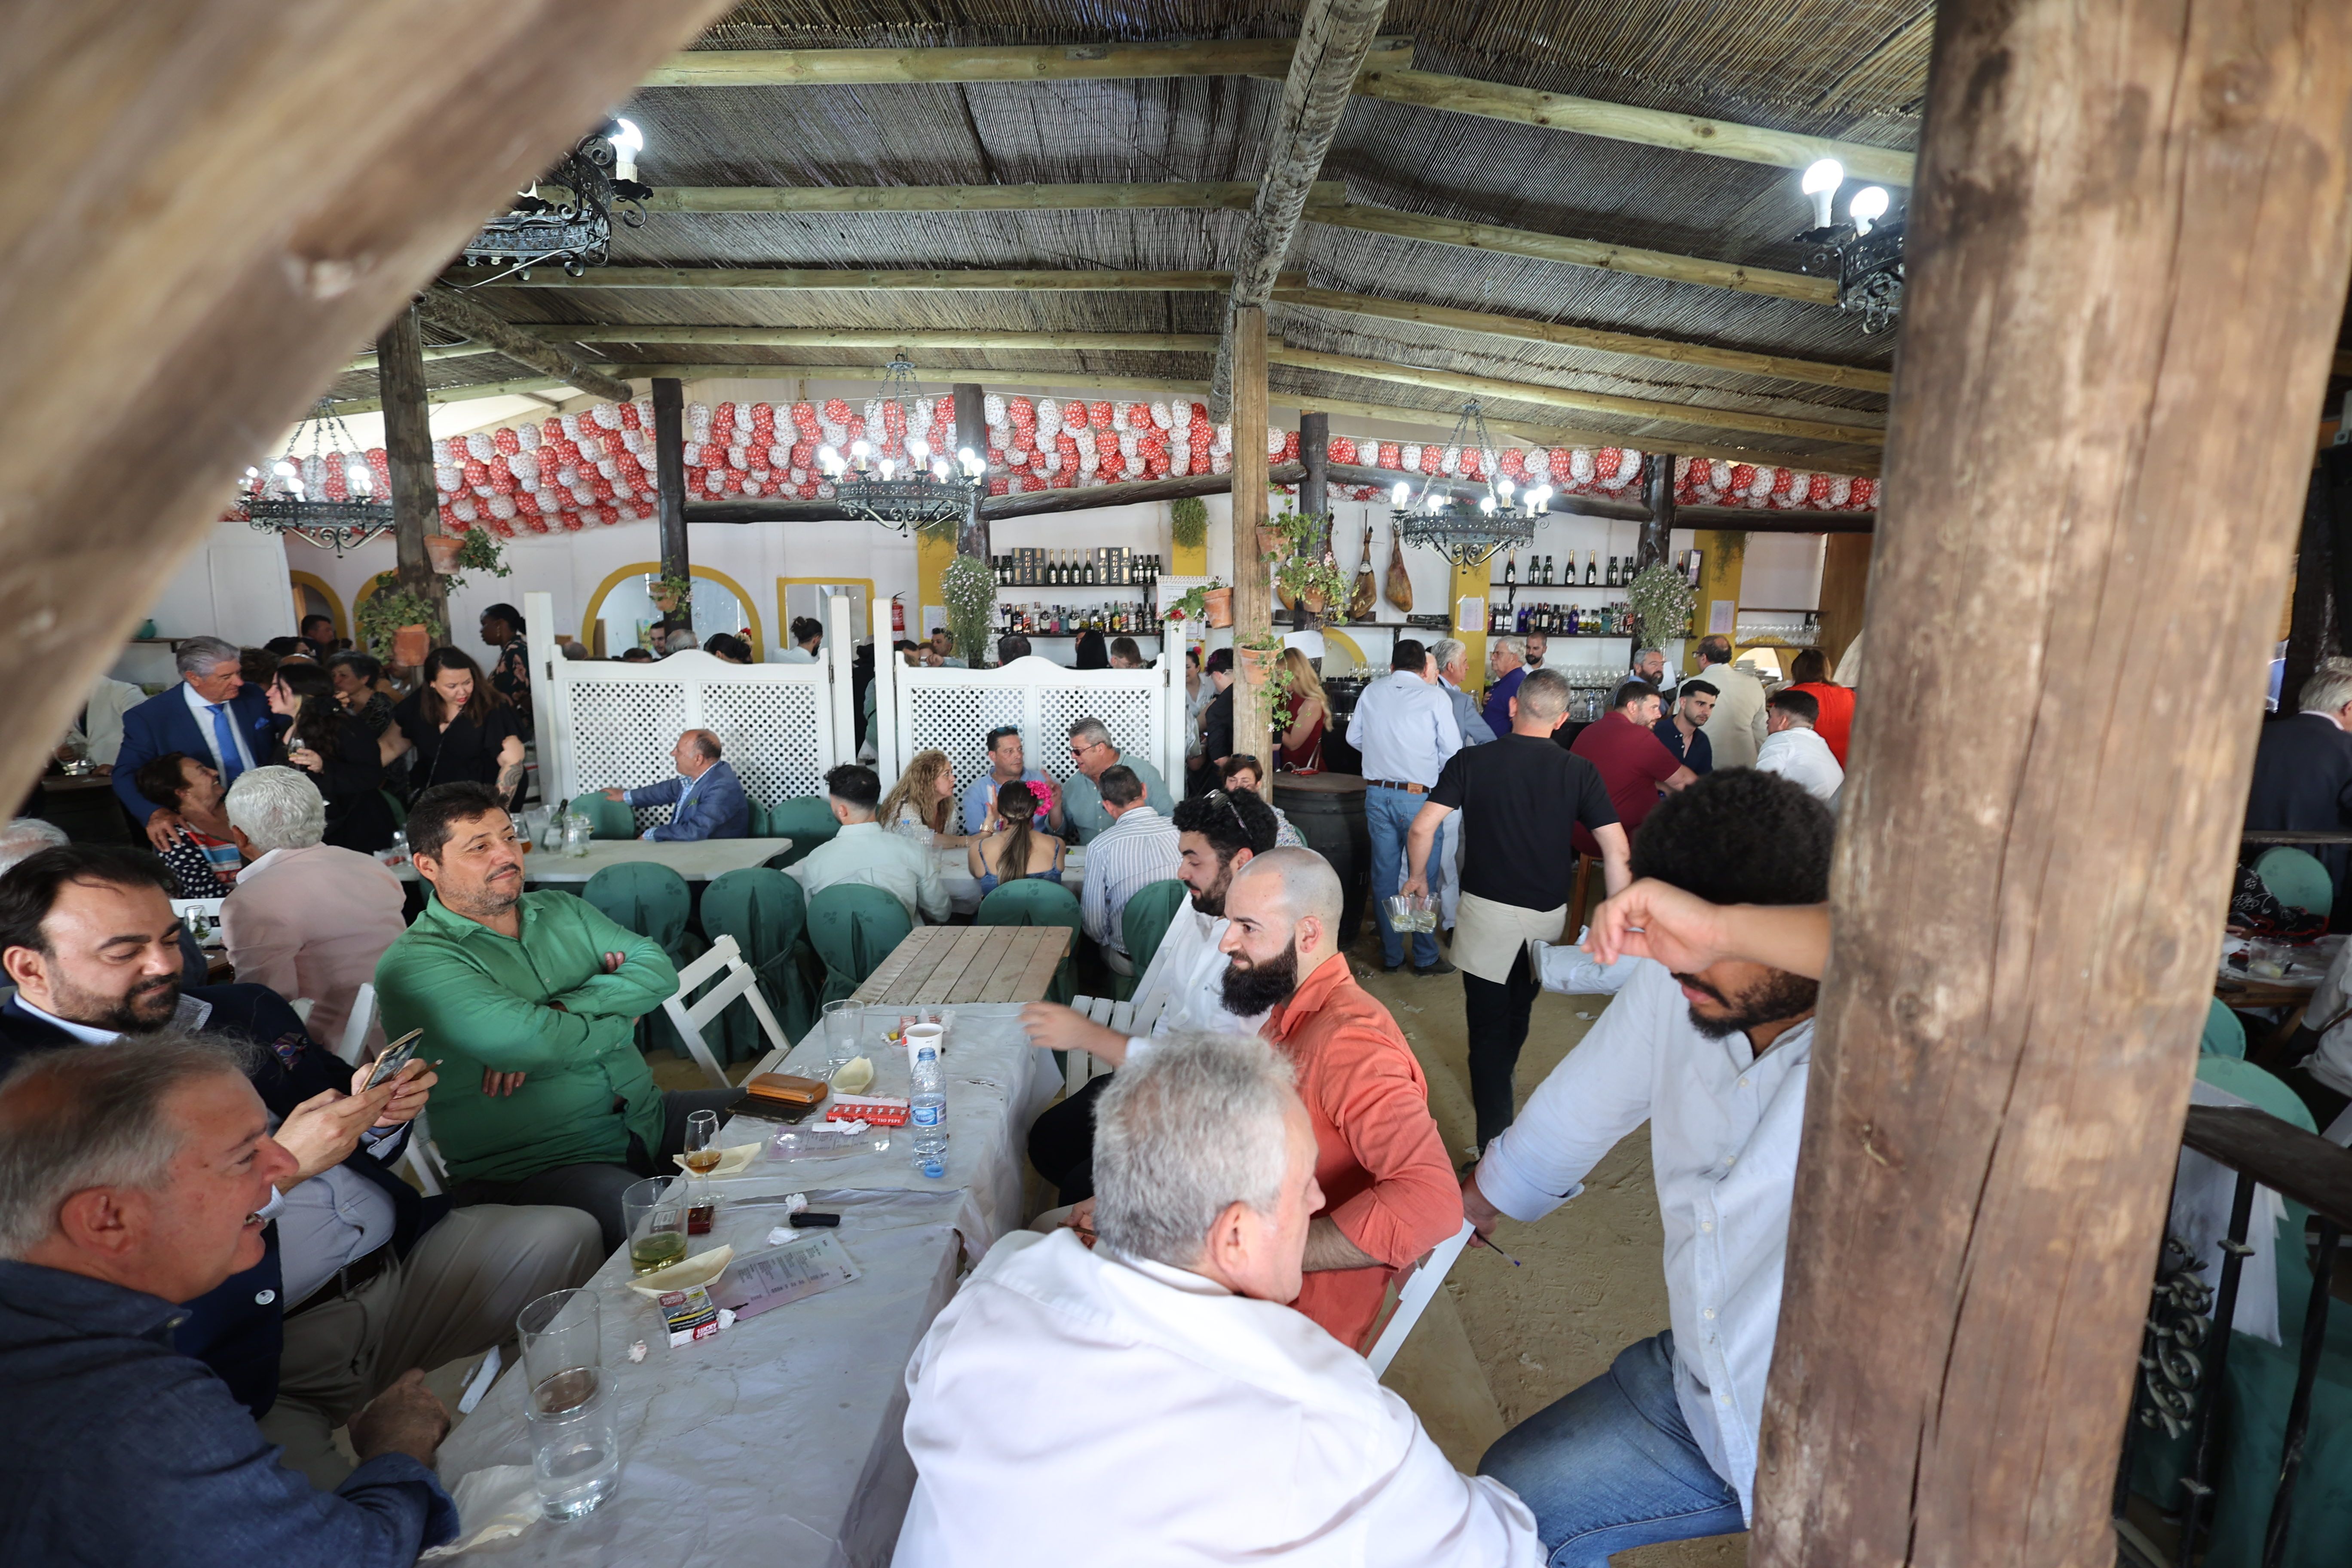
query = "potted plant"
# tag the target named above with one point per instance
(441, 551)
(674, 596)
(1258, 659)
(1661, 602)
(1218, 601)
(398, 624)
(969, 589)
(1193, 603)
(1304, 572)
(1188, 521)
(477, 552)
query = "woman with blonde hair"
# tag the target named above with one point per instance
(923, 798)
(1302, 741)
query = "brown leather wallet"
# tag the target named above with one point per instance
(785, 1089)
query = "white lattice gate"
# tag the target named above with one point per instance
(954, 709)
(607, 725)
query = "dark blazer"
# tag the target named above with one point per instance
(2302, 779)
(164, 724)
(351, 784)
(717, 809)
(238, 1330)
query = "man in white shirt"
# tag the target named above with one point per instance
(808, 635)
(1792, 750)
(862, 852)
(1139, 847)
(1045, 1403)
(1735, 731)
(1216, 834)
(1713, 1052)
(1405, 729)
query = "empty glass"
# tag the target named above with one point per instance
(845, 1026)
(574, 1449)
(654, 1212)
(578, 832)
(1411, 913)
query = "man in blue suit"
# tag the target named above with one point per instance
(705, 800)
(213, 715)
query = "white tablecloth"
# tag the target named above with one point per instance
(963, 887)
(696, 860)
(777, 1442)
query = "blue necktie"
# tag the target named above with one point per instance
(225, 734)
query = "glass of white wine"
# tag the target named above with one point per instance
(701, 1156)
(655, 1211)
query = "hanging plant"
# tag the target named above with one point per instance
(673, 596)
(1188, 518)
(969, 589)
(1662, 601)
(1193, 603)
(389, 606)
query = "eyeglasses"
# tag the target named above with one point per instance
(1227, 802)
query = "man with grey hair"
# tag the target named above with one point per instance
(2303, 766)
(1452, 656)
(1169, 1337)
(214, 715)
(307, 918)
(1094, 755)
(1650, 665)
(1507, 657)
(27, 835)
(706, 799)
(133, 1180)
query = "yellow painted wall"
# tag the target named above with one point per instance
(1722, 556)
(932, 554)
(1470, 582)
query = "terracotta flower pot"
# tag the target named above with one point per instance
(1255, 664)
(1220, 606)
(442, 551)
(411, 646)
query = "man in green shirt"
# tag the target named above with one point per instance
(529, 1003)
(1082, 804)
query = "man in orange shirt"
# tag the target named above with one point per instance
(1390, 1193)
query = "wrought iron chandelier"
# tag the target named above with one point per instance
(599, 178)
(1864, 254)
(1465, 529)
(908, 487)
(292, 496)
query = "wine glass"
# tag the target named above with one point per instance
(702, 1156)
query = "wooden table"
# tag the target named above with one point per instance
(970, 963)
(696, 860)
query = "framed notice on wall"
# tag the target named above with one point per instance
(1722, 616)
(1470, 615)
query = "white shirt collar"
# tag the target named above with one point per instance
(190, 1015)
(2323, 713)
(849, 827)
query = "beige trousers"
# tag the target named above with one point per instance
(454, 1295)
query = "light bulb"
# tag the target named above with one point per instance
(971, 465)
(1503, 487)
(827, 455)
(1402, 494)
(356, 475)
(1820, 183)
(939, 471)
(282, 469)
(918, 448)
(627, 143)
(1869, 205)
(859, 449)
(886, 466)
(1487, 505)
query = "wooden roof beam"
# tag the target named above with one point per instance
(996, 379)
(474, 392)
(433, 352)
(860, 279)
(1002, 62)
(883, 338)
(453, 311)
(1230, 195)
(1812, 372)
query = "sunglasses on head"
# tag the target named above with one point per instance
(1222, 798)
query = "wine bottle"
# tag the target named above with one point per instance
(1511, 570)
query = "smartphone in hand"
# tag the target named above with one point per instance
(396, 1056)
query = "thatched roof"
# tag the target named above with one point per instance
(1854, 70)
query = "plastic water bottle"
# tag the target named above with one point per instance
(931, 1151)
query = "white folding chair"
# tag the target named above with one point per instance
(1419, 1288)
(352, 1047)
(424, 1159)
(741, 981)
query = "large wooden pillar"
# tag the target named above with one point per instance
(1845, 593)
(1253, 578)
(2127, 258)
(972, 431)
(1658, 532)
(408, 449)
(669, 472)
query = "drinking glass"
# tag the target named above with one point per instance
(845, 1024)
(574, 1449)
(654, 1213)
(702, 1156)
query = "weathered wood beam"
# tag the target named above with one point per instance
(1253, 602)
(1005, 62)
(669, 474)
(1044, 379)
(1335, 37)
(948, 279)
(971, 435)
(1483, 387)
(845, 337)
(409, 451)
(2025, 911)
(433, 352)
(473, 392)
(1658, 527)
(1132, 493)
(200, 265)
(1592, 253)
(447, 308)
(1230, 195)
(1624, 122)
(1745, 362)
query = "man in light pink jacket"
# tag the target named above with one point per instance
(307, 918)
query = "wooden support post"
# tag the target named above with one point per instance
(1314, 487)
(2028, 892)
(1658, 530)
(971, 435)
(669, 472)
(456, 313)
(2334, 478)
(1253, 581)
(2309, 629)
(1845, 590)
(408, 451)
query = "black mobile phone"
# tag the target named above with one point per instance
(396, 1056)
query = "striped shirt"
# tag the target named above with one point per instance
(1133, 852)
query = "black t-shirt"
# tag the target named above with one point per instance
(1519, 797)
(462, 753)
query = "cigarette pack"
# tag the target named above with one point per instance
(689, 1315)
(869, 1109)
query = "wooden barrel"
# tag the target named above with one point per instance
(1328, 809)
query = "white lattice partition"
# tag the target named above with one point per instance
(607, 725)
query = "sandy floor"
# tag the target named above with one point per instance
(1499, 1344)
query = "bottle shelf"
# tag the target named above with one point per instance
(1132, 590)
(1557, 587)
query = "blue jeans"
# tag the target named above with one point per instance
(1612, 1466)
(1389, 814)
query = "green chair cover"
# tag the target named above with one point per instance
(654, 901)
(1145, 920)
(2296, 878)
(767, 915)
(2225, 1034)
(609, 819)
(853, 928)
(806, 821)
(1031, 901)
(399, 809)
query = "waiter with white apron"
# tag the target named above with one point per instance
(1520, 797)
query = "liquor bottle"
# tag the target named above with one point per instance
(1611, 579)
(1511, 570)
(1094, 575)
(1551, 573)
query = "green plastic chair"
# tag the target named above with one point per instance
(1032, 902)
(767, 915)
(2296, 879)
(2225, 1032)
(654, 901)
(607, 818)
(806, 821)
(853, 928)
(1143, 923)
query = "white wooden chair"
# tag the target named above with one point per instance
(1128, 1018)
(352, 1047)
(1420, 1286)
(741, 980)
(424, 1159)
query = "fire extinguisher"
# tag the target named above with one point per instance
(897, 616)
